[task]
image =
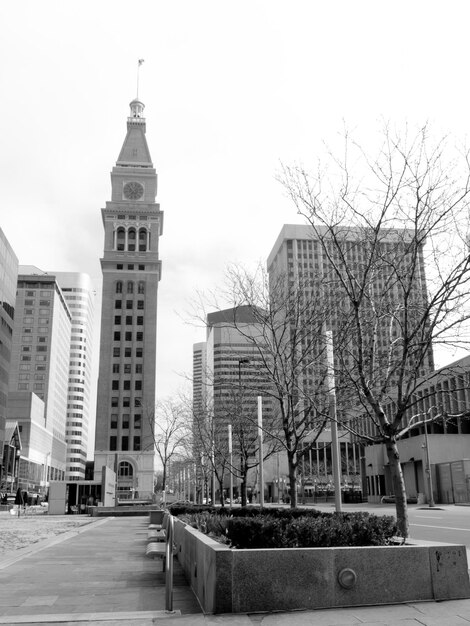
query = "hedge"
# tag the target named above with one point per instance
(292, 528)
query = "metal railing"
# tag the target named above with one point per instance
(169, 564)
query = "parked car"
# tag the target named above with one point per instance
(391, 499)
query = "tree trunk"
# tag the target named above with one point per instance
(292, 463)
(399, 491)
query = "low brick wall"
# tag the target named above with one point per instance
(240, 581)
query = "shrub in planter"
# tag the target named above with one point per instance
(327, 530)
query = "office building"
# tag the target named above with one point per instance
(40, 367)
(302, 258)
(233, 380)
(8, 279)
(133, 222)
(78, 293)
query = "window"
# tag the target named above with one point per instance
(129, 304)
(128, 335)
(141, 267)
(120, 239)
(127, 369)
(114, 401)
(130, 266)
(125, 469)
(114, 420)
(130, 287)
(44, 303)
(127, 384)
(26, 348)
(29, 302)
(127, 352)
(119, 287)
(137, 422)
(116, 368)
(136, 443)
(25, 358)
(117, 336)
(139, 336)
(140, 304)
(125, 443)
(138, 352)
(138, 368)
(115, 385)
(142, 240)
(117, 320)
(118, 304)
(140, 320)
(113, 442)
(116, 352)
(138, 385)
(131, 240)
(119, 266)
(128, 320)
(137, 401)
(126, 401)
(141, 287)
(125, 420)
(23, 386)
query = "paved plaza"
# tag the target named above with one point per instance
(98, 574)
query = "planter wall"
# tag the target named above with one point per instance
(240, 581)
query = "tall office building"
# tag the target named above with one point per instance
(78, 293)
(8, 279)
(301, 260)
(40, 366)
(233, 379)
(131, 268)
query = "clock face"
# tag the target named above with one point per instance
(133, 191)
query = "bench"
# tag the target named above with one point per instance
(157, 540)
(156, 535)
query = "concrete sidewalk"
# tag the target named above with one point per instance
(99, 575)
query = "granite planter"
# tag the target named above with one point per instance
(226, 580)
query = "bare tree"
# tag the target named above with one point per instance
(381, 223)
(171, 429)
(289, 358)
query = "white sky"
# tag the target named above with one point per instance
(231, 90)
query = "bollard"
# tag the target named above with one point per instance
(169, 566)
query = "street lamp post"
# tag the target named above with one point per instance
(431, 502)
(336, 462)
(230, 461)
(428, 467)
(261, 454)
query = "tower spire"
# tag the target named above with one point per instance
(139, 63)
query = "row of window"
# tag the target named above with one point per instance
(129, 304)
(128, 320)
(130, 286)
(126, 385)
(128, 352)
(124, 443)
(127, 336)
(127, 368)
(126, 420)
(130, 266)
(126, 401)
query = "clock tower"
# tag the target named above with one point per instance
(133, 222)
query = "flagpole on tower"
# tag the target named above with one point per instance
(139, 63)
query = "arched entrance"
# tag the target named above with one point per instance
(126, 481)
